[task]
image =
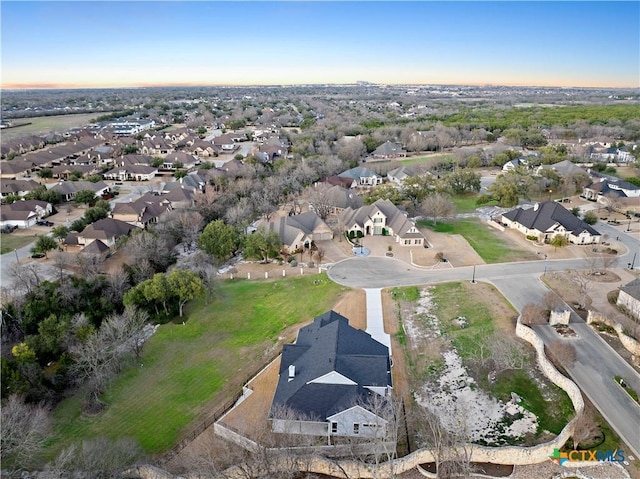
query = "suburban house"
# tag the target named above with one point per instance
(336, 199)
(342, 181)
(363, 176)
(513, 164)
(17, 187)
(549, 219)
(603, 187)
(398, 175)
(143, 211)
(298, 231)
(563, 168)
(389, 150)
(131, 173)
(173, 161)
(107, 230)
(629, 298)
(382, 218)
(225, 142)
(334, 381)
(24, 213)
(68, 189)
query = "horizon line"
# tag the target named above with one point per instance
(70, 86)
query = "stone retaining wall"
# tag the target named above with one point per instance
(629, 343)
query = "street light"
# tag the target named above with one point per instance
(633, 261)
(629, 225)
(16, 252)
(473, 277)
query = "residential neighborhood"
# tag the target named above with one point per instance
(308, 281)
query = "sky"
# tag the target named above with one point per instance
(55, 44)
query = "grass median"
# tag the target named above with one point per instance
(187, 370)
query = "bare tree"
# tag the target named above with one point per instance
(98, 457)
(438, 206)
(149, 246)
(612, 202)
(320, 200)
(451, 454)
(584, 426)
(25, 277)
(320, 254)
(102, 353)
(507, 353)
(552, 301)
(117, 284)
(24, 430)
(62, 261)
(583, 285)
(533, 314)
(562, 353)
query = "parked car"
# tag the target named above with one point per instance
(37, 255)
(8, 229)
(44, 223)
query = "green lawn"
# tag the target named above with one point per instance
(467, 203)
(184, 367)
(452, 300)
(482, 238)
(426, 160)
(46, 124)
(9, 242)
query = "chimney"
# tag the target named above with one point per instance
(292, 372)
(536, 206)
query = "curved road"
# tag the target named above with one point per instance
(596, 363)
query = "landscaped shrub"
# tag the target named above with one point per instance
(612, 296)
(360, 234)
(351, 235)
(532, 238)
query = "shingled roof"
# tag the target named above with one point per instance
(632, 288)
(545, 215)
(329, 346)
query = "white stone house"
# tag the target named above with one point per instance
(629, 298)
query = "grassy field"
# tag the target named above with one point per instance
(484, 240)
(452, 300)
(41, 125)
(427, 160)
(9, 242)
(187, 369)
(467, 203)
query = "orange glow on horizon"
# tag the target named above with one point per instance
(71, 86)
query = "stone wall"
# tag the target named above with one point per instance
(629, 343)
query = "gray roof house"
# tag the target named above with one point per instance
(299, 231)
(389, 150)
(68, 189)
(382, 218)
(24, 213)
(363, 176)
(564, 167)
(549, 219)
(333, 381)
(398, 175)
(108, 230)
(629, 298)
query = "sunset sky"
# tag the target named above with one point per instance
(113, 44)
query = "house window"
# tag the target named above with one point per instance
(407, 241)
(334, 428)
(356, 428)
(417, 241)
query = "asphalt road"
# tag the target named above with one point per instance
(596, 363)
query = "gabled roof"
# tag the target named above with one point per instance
(96, 247)
(107, 228)
(401, 173)
(564, 167)
(543, 216)
(330, 346)
(26, 205)
(289, 227)
(632, 288)
(68, 187)
(357, 173)
(395, 218)
(388, 148)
